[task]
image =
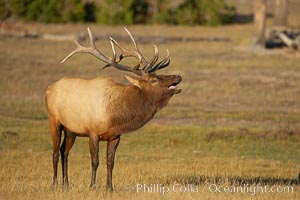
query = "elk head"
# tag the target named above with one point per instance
(147, 80)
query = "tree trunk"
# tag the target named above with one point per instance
(280, 13)
(259, 23)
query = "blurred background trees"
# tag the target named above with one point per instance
(209, 12)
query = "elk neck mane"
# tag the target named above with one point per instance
(131, 107)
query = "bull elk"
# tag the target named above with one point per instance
(103, 109)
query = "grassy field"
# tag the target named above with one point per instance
(235, 123)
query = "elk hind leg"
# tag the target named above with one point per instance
(65, 148)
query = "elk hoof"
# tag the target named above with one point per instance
(65, 186)
(92, 186)
(55, 183)
(109, 189)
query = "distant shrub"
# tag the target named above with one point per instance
(208, 12)
(188, 12)
(53, 10)
(74, 11)
(18, 7)
(123, 12)
(115, 12)
(2, 10)
(160, 12)
(44, 11)
(140, 9)
(90, 12)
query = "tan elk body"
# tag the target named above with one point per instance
(103, 109)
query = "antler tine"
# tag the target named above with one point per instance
(114, 54)
(148, 66)
(126, 53)
(153, 60)
(115, 64)
(92, 40)
(162, 64)
(135, 45)
(78, 48)
(113, 49)
(70, 54)
(92, 49)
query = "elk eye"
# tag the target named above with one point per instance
(153, 81)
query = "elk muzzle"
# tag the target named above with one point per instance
(176, 79)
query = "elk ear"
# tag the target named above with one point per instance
(133, 80)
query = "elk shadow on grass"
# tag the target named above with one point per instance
(231, 180)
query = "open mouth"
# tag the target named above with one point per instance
(173, 87)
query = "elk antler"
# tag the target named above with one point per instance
(149, 67)
(162, 64)
(95, 52)
(127, 53)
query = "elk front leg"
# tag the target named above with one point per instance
(55, 129)
(64, 151)
(110, 157)
(94, 149)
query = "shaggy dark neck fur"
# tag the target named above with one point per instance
(133, 107)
